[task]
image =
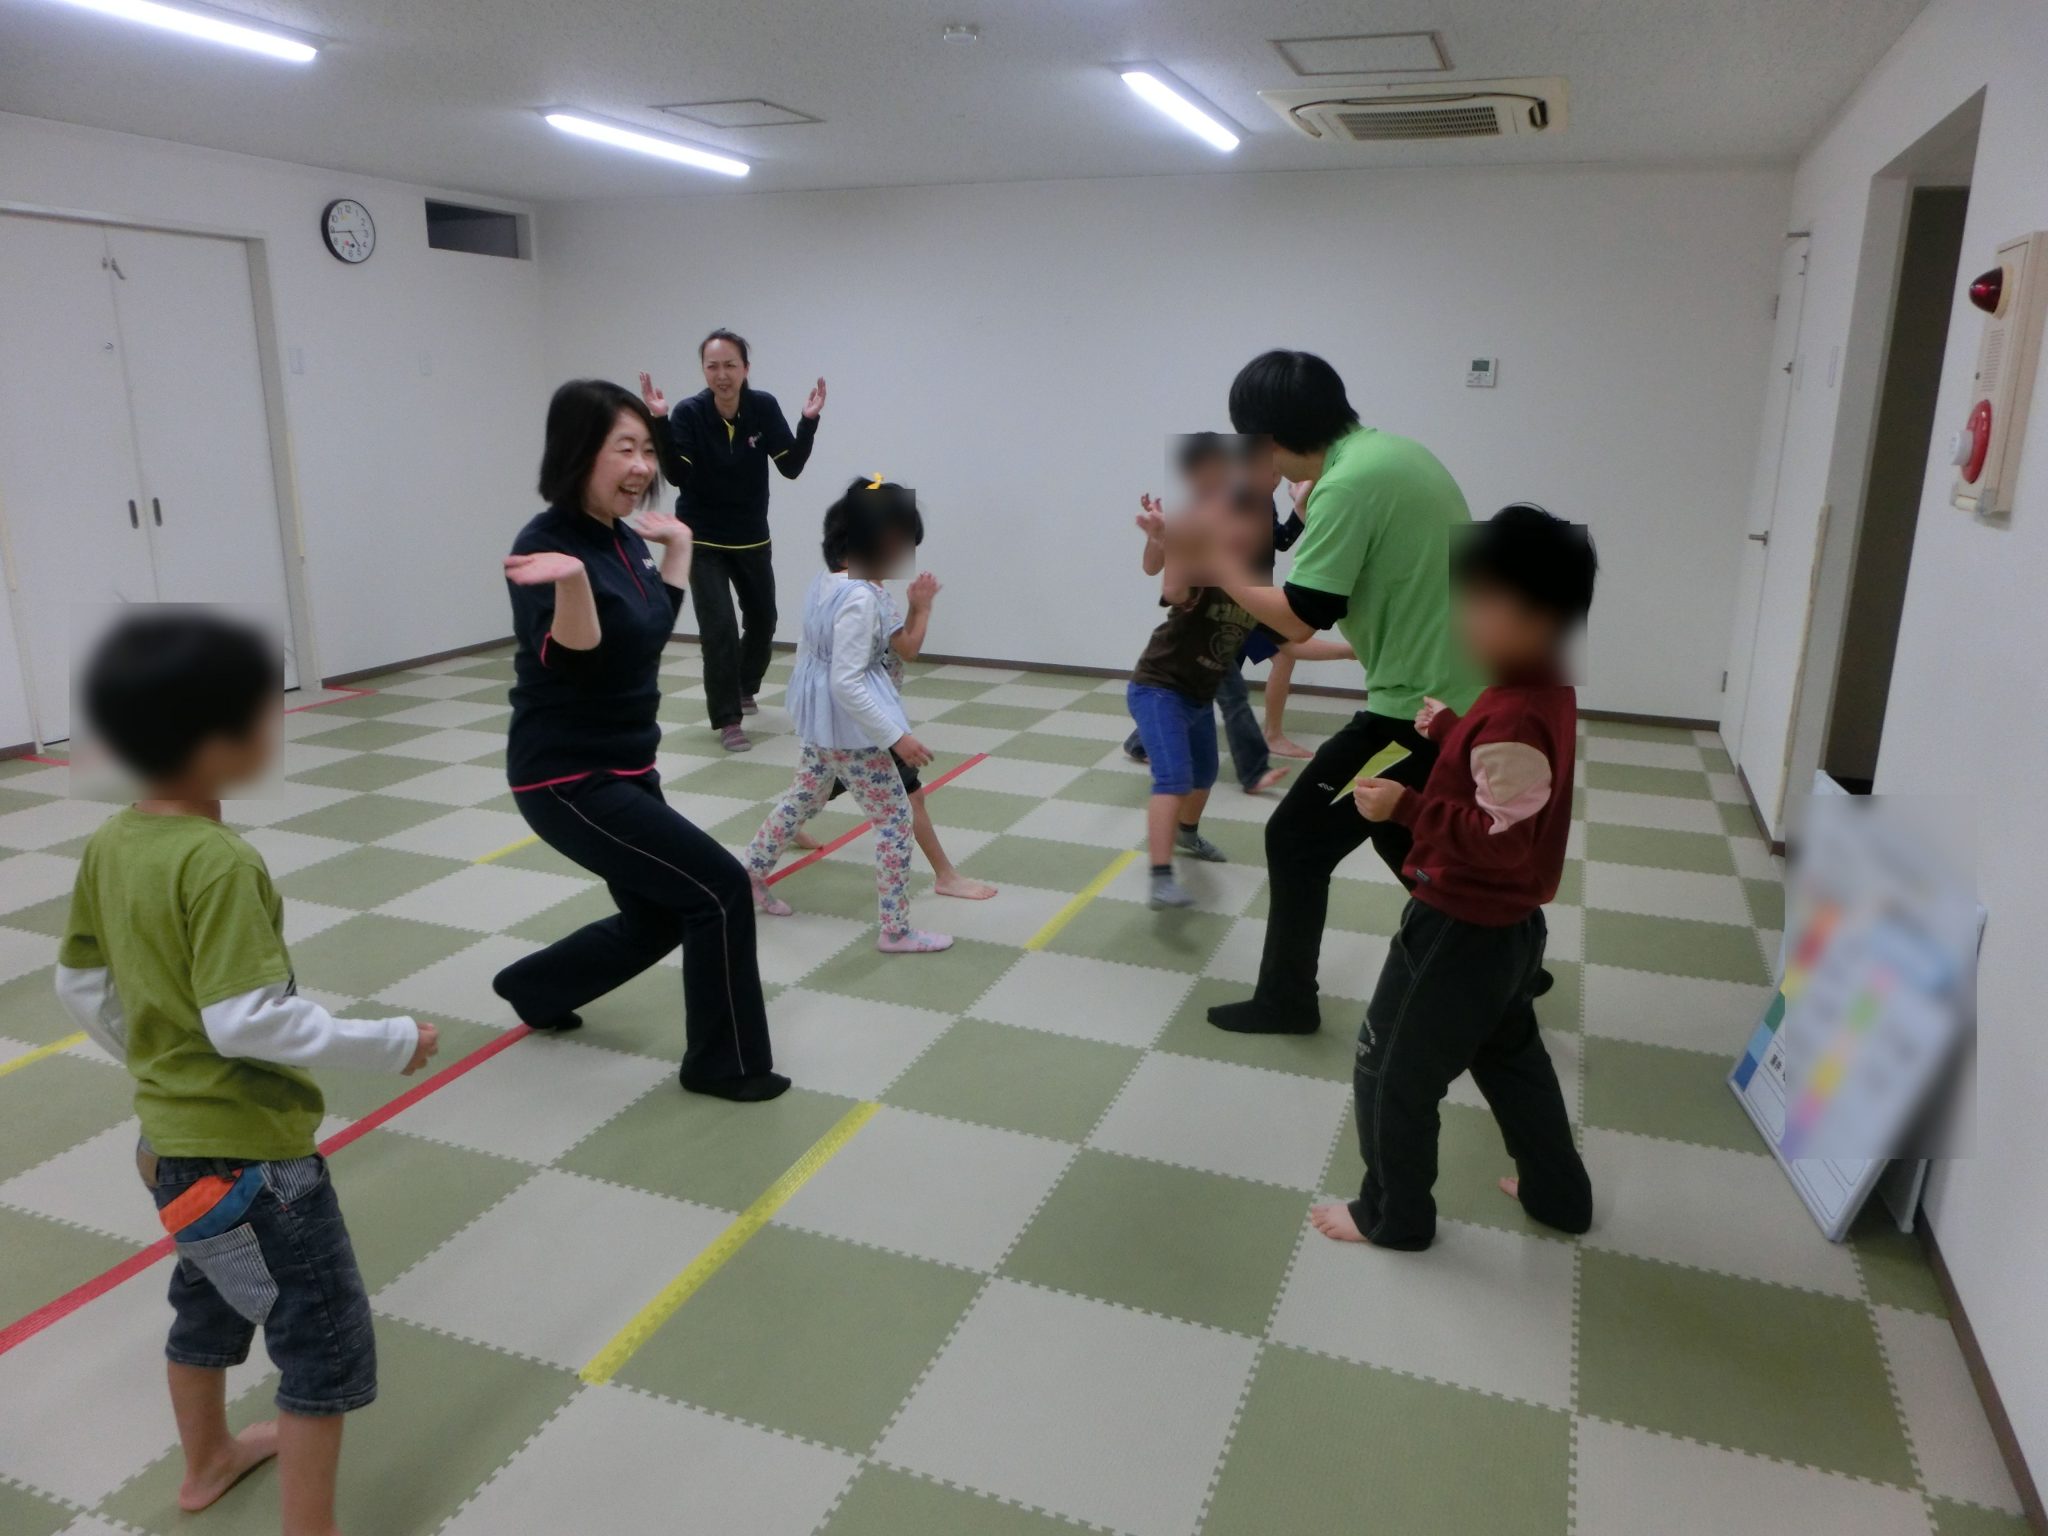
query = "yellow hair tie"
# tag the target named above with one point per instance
(876, 483)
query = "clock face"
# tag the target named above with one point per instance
(348, 230)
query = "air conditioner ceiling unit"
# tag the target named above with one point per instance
(1407, 111)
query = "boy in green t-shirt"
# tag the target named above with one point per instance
(174, 961)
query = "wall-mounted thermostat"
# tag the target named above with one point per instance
(1479, 373)
(1986, 450)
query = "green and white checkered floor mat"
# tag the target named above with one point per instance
(1061, 1277)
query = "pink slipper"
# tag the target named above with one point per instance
(767, 901)
(915, 942)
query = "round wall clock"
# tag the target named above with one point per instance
(346, 226)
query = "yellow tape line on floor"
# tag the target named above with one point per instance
(525, 842)
(607, 1362)
(39, 1053)
(1089, 892)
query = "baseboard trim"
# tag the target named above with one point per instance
(1757, 814)
(344, 679)
(1987, 1389)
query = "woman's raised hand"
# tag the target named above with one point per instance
(542, 569)
(659, 527)
(813, 403)
(655, 401)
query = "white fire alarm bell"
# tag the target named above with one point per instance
(1986, 450)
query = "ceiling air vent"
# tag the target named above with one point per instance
(1411, 113)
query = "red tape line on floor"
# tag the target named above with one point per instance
(339, 695)
(23, 1329)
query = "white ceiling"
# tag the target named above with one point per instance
(444, 92)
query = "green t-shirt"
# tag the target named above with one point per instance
(182, 914)
(1378, 533)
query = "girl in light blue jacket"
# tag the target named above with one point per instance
(848, 714)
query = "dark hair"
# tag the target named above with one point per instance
(722, 334)
(1194, 449)
(860, 524)
(164, 681)
(1295, 398)
(580, 418)
(1547, 562)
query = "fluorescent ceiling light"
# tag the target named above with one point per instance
(212, 29)
(1157, 93)
(645, 143)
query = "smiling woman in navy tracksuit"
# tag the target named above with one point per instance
(592, 609)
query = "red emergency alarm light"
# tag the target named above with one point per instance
(1987, 290)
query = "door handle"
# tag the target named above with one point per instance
(1763, 538)
(133, 520)
(156, 510)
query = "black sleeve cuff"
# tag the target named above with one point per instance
(1318, 610)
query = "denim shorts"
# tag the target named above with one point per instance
(1179, 737)
(287, 1268)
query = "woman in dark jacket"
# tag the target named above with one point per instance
(592, 609)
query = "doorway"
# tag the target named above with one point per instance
(136, 439)
(1836, 587)
(1921, 310)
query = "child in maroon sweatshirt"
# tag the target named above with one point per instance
(1456, 993)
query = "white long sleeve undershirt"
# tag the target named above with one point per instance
(853, 649)
(268, 1024)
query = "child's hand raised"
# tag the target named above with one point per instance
(543, 569)
(923, 588)
(423, 1052)
(1376, 798)
(1151, 517)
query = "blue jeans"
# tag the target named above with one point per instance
(1179, 737)
(289, 1269)
(1247, 738)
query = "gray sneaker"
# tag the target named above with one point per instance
(1196, 846)
(1167, 892)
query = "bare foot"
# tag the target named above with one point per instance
(805, 840)
(1336, 1222)
(1278, 744)
(766, 901)
(248, 1451)
(1512, 1188)
(1266, 781)
(957, 884)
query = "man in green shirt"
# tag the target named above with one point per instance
(1374, 563)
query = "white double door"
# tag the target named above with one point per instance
(135, 461)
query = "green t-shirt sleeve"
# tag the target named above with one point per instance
(81, 949)
(1330, 555)
(236, 947)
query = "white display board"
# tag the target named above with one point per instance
(1876, 985)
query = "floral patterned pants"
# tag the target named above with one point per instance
(870, 776)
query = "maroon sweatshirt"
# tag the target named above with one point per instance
(1491, 823)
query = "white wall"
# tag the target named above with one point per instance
(415, 426)
(1969, 689)
(1020, 352)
